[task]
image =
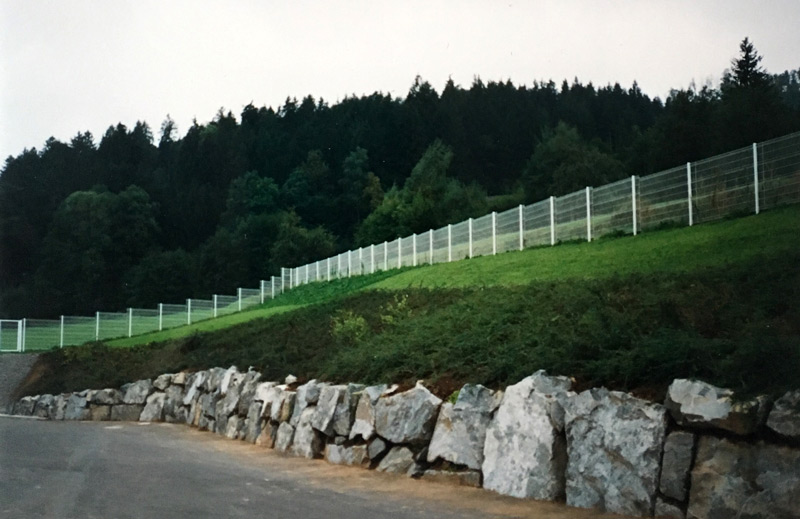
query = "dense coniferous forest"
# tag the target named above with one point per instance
(140, 216)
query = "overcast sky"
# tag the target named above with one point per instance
(71, 66)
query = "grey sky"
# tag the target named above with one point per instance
(72, 66)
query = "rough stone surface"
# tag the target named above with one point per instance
(267, 436)
(126, 412)
(676, 464)
(232, 383)
(179, 379)
(154, 409)
(307, 394)
(254, 422)
(697, 404)
(733, 479)
(284, 437)
(248, 391)
(408, 417)
(667, 510)
(346, 410)
(346, 455)
(364, 419)
(173, 400)
(107, 397)
(289, 380)
(44, 406)
(194, 387)
(162, 382)
(137, 392)
(329, 399)
(614, 445)
(376, 448)
(525, 451)
(76, 408)
(307, 441)
(25, 405)
(460, 432)
(784, 418)
(283, 406)
(264, 390)
(399, 460)
(233, 426)
(60, 407)
(467, 478)
(13, 371)
(100, 413)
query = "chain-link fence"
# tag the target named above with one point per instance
(744, 181)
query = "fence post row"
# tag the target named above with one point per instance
(755, 174)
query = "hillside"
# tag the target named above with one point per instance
(713, 301)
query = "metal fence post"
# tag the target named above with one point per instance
(215, 305)
(430, 246)
(755, 175)
(61, 335)
(263, 283)
(272, 286)
(188, 311)
(349, 263)
(399, 252)
(24, 333)
(689, 192)
(588, 213)
(634, 209)
(239, 294)
(328, 268)
(316, 264)
(97, 327)
(160, 316)
(449, 242)
(360, 261)
(372, 259)
(552, 220)
(521, 226)
(469, 224)
(307, 266)
(385, 255)
(130, 322)
(414, 249)
(494, 232)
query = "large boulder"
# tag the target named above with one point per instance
(736, 479)
(254, 422)
(194, 387)
(307, 441)
(284, 437)
(676, 464)
(126, 412)
(76, 408)
(460, 432)
(107, 397)
(364, 416)
(346, 455)
(137, 392)
(784, 418)
(162, 382)
(346, 410)
(44, 406)
(399, 460)
(173, 404)
(525, 451)
(154, 409)
(408, 417)
(614, 446)
(247, 391)
(307, 394)
(60, 407)
(329, 399)
(697, 404)
(25, 405)
(230, 390)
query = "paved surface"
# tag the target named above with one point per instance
(128, 470)
(14, 367)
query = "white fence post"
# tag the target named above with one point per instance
(349, 263)
(130, 322)
(215, 305)
(360, 261)
(188, 311)
(372, 259)
(414, 249)
(306, 282)
(97, 327)
(755, 175)
(239, 294)
(430, 246)
(521, 226)
(399, 252)
(588, 213)
(385, 255)
(328, 268)
(469, 224)
(272, 287)
(24, 333)
(552, 220)
(263, 284)
(61, 335)
(689, 192)
(449, 242)
(494, 232)
(634, 209)
(160, 316)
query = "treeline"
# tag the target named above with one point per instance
(136, 219)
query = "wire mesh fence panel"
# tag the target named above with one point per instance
(424, 248)
(380, 256)
(723, 186)
(662, 198)
(440, 245)
(144, 320)
(10, 335)
(111, 325)
(42, 334)
(612, 208)
(779, 171)
(225, 305)
(392, 254)
(200, 309)
(407, 251)
(459, 240)
(353, 263)
(571, 216)
(482, 244)
(173, 315)
(249, 297)
(537, 224)
(275, 288)
(79, 330)
(286, 279)
(508, 230)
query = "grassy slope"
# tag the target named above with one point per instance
(715, 301)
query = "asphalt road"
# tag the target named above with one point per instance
(128, 470)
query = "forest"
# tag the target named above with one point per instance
(140, 216)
